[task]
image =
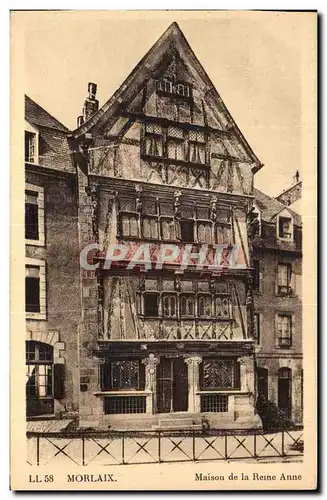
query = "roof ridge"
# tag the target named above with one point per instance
(66, 129)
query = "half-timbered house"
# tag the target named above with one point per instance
(163, 162)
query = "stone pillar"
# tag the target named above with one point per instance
(194, 402)
(247, 374)
(150, 381)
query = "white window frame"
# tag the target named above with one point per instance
(40, 202)
(291, 287)
(43, 299)
(287, 215)
(32, 130)
(291, 317)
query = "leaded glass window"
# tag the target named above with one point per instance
(219, 373)
(168, 229)
(125, 374)
(169, 306)
(129, 225)
(187, 305)
(204, 307)
(222, 307)
(150, 228)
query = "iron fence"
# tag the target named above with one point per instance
(160, 446)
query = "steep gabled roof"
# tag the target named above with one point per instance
(172, 40)
(38, 116)
(270, 207)
(54, 151)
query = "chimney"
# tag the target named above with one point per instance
(91, 104)
(80, 120)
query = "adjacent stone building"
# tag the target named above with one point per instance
(52, 281)
(118, 327)
(277, 291)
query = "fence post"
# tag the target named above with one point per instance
(159, 448)
(283, 444)
(193, 445)
(226, 447)
(37, 450)
(255, 445)
(83, 449)
(123, 448)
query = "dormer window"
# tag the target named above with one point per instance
(284, 226)
(30, 147)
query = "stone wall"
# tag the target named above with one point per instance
(61, 255)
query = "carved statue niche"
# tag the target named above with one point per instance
(93, 192)
(138, 190)
(213, 208)
(177, 205)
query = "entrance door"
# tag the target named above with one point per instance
(285, 391)
(262, 378)
(172, 385)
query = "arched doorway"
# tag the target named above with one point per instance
(285, 391)
(262, 382)
(40, 383)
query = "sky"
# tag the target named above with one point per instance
(253, 61)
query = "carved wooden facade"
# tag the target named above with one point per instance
(163, 162)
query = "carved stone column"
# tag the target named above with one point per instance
(150, 381)
(194, 403)
(246, 373)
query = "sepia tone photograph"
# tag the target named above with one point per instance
(163, 190)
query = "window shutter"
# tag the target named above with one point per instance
(293, 333)
(237, 374)
(59, 381)
(293, 282)
(141, 377)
